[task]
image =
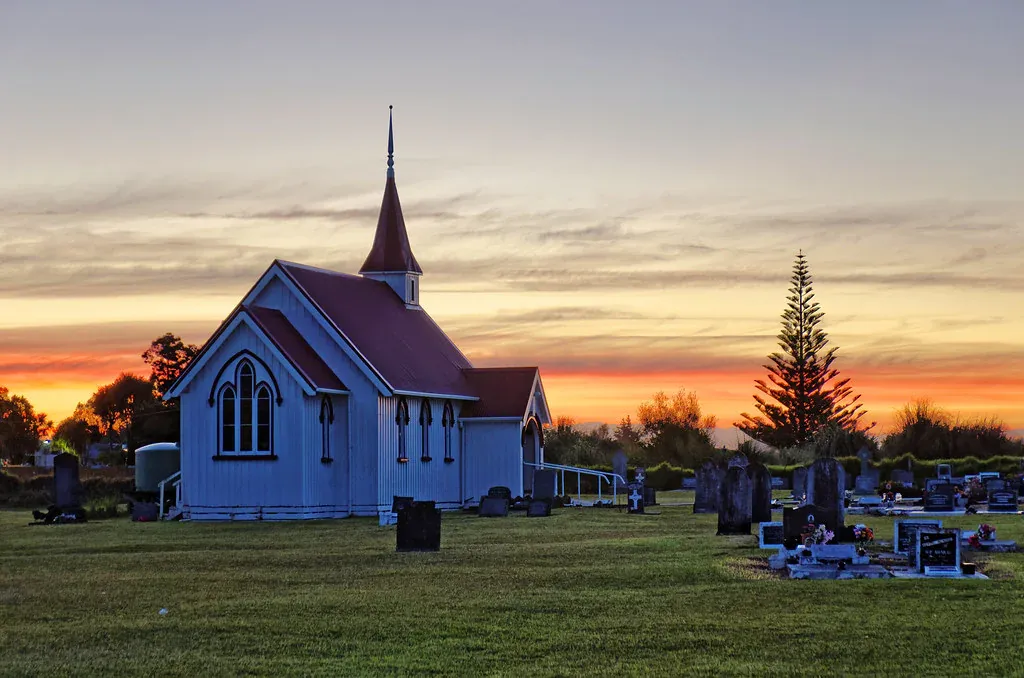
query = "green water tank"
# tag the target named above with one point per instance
(154, 463)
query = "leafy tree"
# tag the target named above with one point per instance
(628, 437)
(806, 389)
(167, 357)
(675, 430)
(79, 429)
(929, 432)
(21, 427)
(565, 443)
(118, 403)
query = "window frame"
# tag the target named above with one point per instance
(448, 423)
(247, 437)
(426, 420)
(402, 422)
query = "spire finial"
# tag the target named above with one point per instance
(391, 144)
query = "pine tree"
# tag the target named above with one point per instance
(807, 391)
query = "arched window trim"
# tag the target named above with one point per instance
(252, 357)
(245, 434)
(426, 419)
(402, 422)
(447, 423)
(326, 420)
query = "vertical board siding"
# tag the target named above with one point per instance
(359, 461)
(427, 480)
(494, 456)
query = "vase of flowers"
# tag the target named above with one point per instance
(985, 533)
(819, 534)
(862, 534)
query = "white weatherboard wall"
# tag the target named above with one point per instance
(326, 484)
(232, 489)
(358, 454)
(415, 478)
(494, 456)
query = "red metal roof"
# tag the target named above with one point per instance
(291, 343)
(405, 346)
(391, 250)
(503, 391)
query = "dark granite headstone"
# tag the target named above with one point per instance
(419, 527)
(650, 496)
(770, 535)
(635, 498)
(708, 478)
(1002, 500)
(538, 508)
(993, 484)
(493, 507)
(67, 490)
(734, 502)
(544, 484)
(738, 461)
(800, 481)
(500, 491)
(940, 498)
(904, 530)
(938, 548)
(145, 512)
(914, 534)
(864, 455)
(826, 481)
(619, 468)
(760, 492)
(795, 520)
(398, 503)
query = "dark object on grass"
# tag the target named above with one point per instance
(145, 512)
(650, 496)
(493, 507)
(538, 508)
(67, 489)
(734, 502)
(969, 568)
(635, 498)
(419, 527)
(543, 484)
(760, 493)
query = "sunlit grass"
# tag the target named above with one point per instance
(585, 592)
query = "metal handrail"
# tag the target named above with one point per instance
(175, 480)
(580, 472)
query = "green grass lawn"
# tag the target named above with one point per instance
(585, 592)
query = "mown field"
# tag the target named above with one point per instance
(585, 592)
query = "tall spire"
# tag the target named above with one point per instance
(391, 252)
(391, 143)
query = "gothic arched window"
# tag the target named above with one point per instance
(426, 419)
(246, 417)
(447, 422)
(326, 419)
(402, 422)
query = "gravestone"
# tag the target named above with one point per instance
(544, 484)
(493, 507)
(709, 479)
(833, 553)
(738, 461)
(67, 490)
(500, 491)
(938, 551)
(993, 484)
(635, 498)
(650, 496)
(867, 481)
(538, 508)
(826, 481)
(1002, 500)
(794, 520)
(770, 535)
(915, 533)
(800, 481)
(760, 492)
(734, 502)
(903, 533)
(940, 498)
(419, 527)
(640, 475)
(619, 463)
(903, 477)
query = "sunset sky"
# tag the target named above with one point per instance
(613, 191)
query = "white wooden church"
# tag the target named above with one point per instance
(325, 394)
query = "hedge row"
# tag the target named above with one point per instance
(664, 476)
(37, 491)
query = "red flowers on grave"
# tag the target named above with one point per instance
(862, 534)
(985, 533)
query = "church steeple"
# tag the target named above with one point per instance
(391, 258)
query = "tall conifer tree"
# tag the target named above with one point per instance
(804, 392)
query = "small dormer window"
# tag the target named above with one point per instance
(412, 290)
